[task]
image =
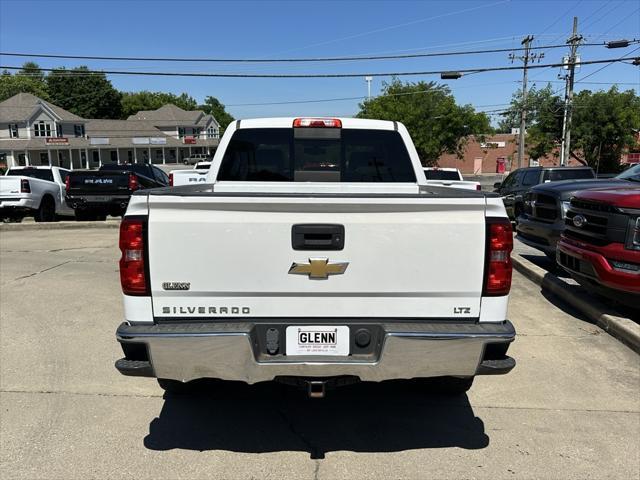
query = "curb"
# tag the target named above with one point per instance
(623, 329)
(13, 227)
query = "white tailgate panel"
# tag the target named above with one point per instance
(407, 257)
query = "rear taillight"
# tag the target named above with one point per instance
(171, 179)
(133, 273)
(498, 268)
(317, 122)
(133, 182)
(478, 187)
(67, 184)
(25, 186)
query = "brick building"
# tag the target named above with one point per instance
(496, 152)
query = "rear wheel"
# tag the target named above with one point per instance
(47, 210)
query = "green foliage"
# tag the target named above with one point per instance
(213, 107)
(133, 102)
(86, 95)
(429, 111)
(11, 85)
(604, 124)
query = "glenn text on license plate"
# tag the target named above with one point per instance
(318, 340)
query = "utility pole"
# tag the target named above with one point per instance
(528, 56)
(573, 41)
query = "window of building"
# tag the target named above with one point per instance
(180, 132)
(129, 156)
(212, 133)
(13, 130)
(114, 156)
(196, 132)
(159, 155)
(42, 129)
(78, 130)
(58, 130)
(22, 159)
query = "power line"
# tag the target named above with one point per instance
(306, 75)
(287, 60)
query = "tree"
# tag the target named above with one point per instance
(604, 124)
(429, 111)
(133, 102)
(28, 80)
(213, 107)
(89, 95)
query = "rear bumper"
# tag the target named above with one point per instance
(232, 351)
(89, 201)
(8, 204)
(539, 235)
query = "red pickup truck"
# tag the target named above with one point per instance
(600, 246)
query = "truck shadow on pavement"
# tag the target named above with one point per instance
(269, 417)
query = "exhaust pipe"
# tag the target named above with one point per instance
(316, 388)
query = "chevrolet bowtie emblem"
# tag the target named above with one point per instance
(319, 268)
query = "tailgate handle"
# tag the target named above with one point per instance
(317, 237)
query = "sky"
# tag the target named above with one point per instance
(308, 29)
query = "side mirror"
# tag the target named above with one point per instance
(497, 185)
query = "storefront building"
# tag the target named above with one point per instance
(36, 132)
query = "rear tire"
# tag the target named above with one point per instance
(47, 210)
(450, 386)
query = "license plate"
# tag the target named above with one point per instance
(97, 198)
(318, 340)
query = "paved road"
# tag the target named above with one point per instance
(570, 409)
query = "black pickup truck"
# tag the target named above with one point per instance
(94, 194)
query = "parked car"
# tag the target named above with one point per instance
(520, 181)
(33, 191)
(94, 194)
(188, 177)
(600, 246)
(449, 177)
(318, 255)
(545, 207)
(195, 158)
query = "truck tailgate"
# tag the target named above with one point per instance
(409, 256)
(10, 186)
(96, 181)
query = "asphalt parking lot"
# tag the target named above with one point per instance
(570, 409)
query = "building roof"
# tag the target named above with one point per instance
(22, 105)
(169, 114)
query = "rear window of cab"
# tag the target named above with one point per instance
(316, 155)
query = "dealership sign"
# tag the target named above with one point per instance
(158, 141)
(56, 141)
(190, 140)
(99, 141)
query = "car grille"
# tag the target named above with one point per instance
(541, 207)
(603, 224)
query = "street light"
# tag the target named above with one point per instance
(368, 79)
(450, 75)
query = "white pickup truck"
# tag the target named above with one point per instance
(449, 177)
(34, 191)
(315, 254)
(197, 174)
